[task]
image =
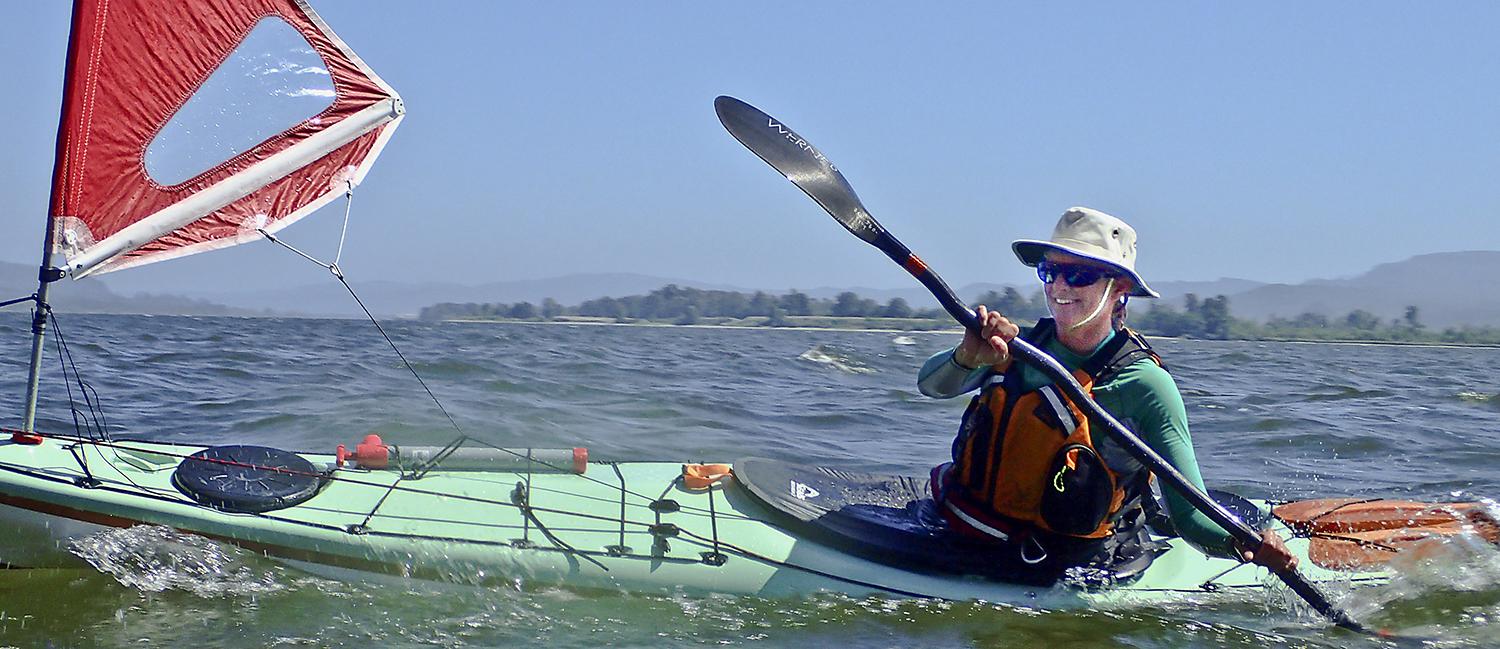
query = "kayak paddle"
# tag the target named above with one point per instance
(814, 174)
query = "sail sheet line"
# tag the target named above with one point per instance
(334, 268)
(339, 274)
(344, 231)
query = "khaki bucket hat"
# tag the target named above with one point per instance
(1093, 235)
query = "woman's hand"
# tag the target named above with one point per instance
(1271, 554)
(990, 346)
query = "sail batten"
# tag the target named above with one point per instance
(134, 66)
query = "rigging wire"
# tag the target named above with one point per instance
(333, 267)
(451, 447)
(87, 425)
(93, 420)
(29, 298)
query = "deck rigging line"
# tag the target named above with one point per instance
(93, 421)
(713, 542)
(451, 447)
(620, 548)
(123, 446)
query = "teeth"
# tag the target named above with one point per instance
(1061, 301)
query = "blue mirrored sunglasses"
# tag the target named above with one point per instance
(1076, 275)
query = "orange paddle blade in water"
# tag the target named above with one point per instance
(1351, 533)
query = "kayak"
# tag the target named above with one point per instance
(756, 527)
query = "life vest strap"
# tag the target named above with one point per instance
(973, 522)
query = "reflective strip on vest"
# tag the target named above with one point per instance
(1063, 414)
(974, 522)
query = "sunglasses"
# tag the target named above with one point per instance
(1076, 275)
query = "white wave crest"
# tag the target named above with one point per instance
(835, 359)
(153, 558)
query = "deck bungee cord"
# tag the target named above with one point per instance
(716, 549)
(662, 532)
(657, 505)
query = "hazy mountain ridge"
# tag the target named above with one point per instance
(1448, 288)
(1424, 281)
(90, 295)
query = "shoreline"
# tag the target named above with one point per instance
(739, 327)
(957, 331)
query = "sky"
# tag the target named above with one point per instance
(1275, 141)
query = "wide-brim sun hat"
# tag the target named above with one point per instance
(1094, 235)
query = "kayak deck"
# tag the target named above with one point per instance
(629, 526)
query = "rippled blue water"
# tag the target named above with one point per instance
(1269, 420)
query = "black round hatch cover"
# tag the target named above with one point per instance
(249, 479)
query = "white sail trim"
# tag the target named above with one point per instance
(234, 187)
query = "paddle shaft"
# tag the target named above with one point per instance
(810, 171)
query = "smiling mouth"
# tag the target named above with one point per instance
(1063, 301)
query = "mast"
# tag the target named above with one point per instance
(46, 274)
(108, 213)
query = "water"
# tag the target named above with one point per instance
(1269, 420)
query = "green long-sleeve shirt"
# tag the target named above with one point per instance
(1142, 396)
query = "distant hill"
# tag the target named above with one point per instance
(1448, 288)
(1175, 291)
(90, 295)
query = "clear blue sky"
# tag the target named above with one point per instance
(1272, 141)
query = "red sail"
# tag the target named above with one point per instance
(134, 64)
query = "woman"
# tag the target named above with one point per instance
(1028, 473)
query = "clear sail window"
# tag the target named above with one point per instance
(271, 82)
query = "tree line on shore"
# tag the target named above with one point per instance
(1208, 318)
(680, 305)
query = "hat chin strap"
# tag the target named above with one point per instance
(1103, 299)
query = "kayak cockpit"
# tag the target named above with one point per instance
(893, 520)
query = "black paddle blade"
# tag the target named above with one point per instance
(802, 164)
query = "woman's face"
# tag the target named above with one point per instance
(1071, 305)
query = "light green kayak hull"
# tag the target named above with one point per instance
(597, 530)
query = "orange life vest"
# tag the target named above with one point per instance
(1028, 458)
